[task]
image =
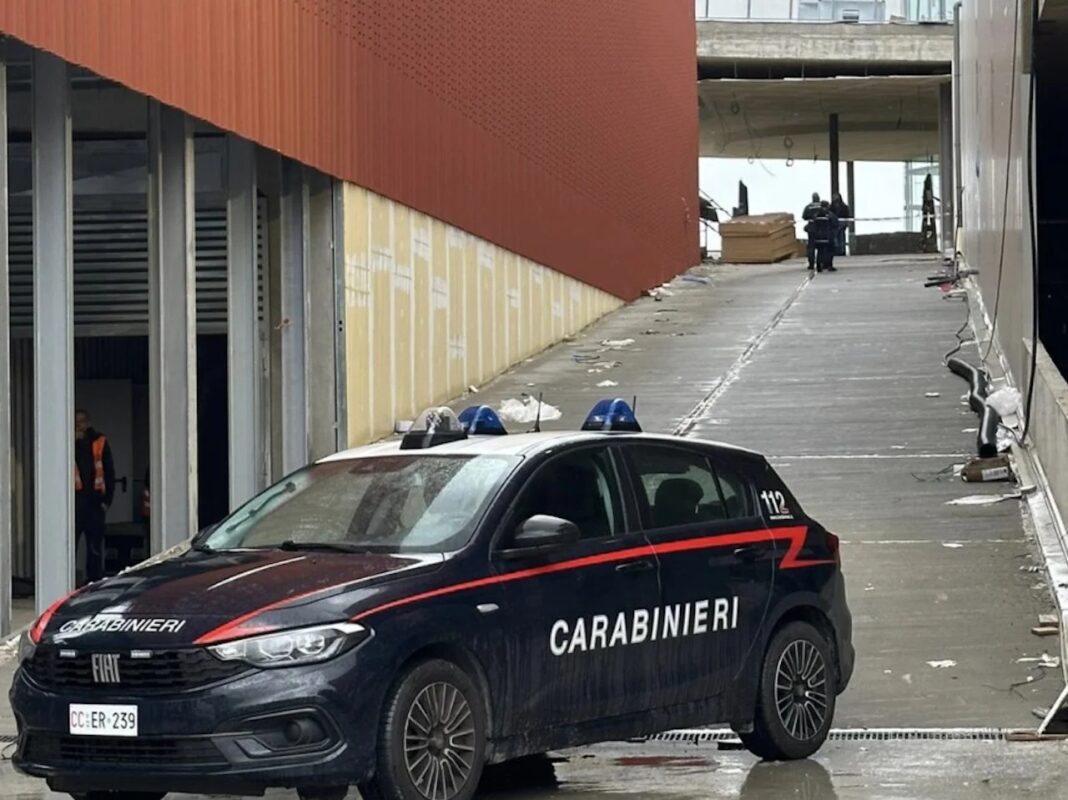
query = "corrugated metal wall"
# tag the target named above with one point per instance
(111, 267)
(563, 131)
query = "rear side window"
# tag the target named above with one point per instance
(682, 487)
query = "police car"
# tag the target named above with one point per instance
(399, 615)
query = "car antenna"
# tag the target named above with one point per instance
(634, 405)
(537, 417)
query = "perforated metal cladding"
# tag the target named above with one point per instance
(564, 131)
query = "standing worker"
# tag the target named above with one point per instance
(840, 209)
(94, 489)
(809, 213)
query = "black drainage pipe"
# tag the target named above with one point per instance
(989, 419)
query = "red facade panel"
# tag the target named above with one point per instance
(564, 131)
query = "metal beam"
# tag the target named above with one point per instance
(320, 283)
(851, 191)
(243, 339)
(53, 330)
(6, 453)
(172, 326)
(294, 322)
(834, 154)
(946, 159)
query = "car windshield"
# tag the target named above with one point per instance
(393, 504)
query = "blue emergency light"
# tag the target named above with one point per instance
(482, 421)
(612, 415)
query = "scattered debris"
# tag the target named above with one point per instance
(932, 394)
(888, 672)
(601, 366)
(696, 279)
(525, 411)
(606, 384)
(1032, 568)
(907, 678)
(983, 499)
(1045, 661)
(945, 663)
(616, 344)
(472, 389)
(986, 470)
(1045, 630)
(869, 588)
(969, 430)
(952, 545)
(1049, 619)
(1005, 401)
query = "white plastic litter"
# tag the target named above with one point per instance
(932, 394)
(952, 545)
(1044, 660)
(616, 344)
(982, 499)
(945, 663)
(1005, 401)
(606, 384)
(526, 410)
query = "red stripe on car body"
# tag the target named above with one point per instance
(795, 535)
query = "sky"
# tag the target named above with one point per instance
(773, 186)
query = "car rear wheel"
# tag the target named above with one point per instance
(432, 744)
(796, 699)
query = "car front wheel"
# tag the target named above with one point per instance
(795, 703)
(432, 744)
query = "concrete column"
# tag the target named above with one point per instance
(294, 312)
(244, 367)
(851, 191)
(53, 329)
(6, 453)
(946, 159)
(834, 153)
(172, 326)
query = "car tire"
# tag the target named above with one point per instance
(432, 739)
(796, 697)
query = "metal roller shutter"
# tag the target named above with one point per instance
(111, 267)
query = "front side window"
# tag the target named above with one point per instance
(579, 487)
(394, 504)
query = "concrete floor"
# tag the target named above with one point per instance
(846, 771)
(832, 379)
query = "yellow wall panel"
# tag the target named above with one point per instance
(438, 368)
(431, 310)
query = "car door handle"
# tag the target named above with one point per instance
(750, 552)
(642, 565)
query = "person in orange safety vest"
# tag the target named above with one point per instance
(94, 489)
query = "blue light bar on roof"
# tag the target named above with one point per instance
(481, 421)
(612, 415)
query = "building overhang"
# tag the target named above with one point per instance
(752, 49)
(880, 118)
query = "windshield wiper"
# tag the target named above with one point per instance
(340, 547)
(203, 547)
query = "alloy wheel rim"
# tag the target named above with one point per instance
(801, 690)
(439, 741)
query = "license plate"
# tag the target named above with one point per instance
(103, 720)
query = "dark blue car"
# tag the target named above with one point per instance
(397, 616)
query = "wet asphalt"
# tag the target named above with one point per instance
(840, 381)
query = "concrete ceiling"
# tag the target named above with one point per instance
(880, 118)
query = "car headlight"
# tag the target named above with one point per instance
(295, 647)
(27, 647)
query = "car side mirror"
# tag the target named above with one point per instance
(539, 535)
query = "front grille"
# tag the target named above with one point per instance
(56, 750)
(164, 670)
